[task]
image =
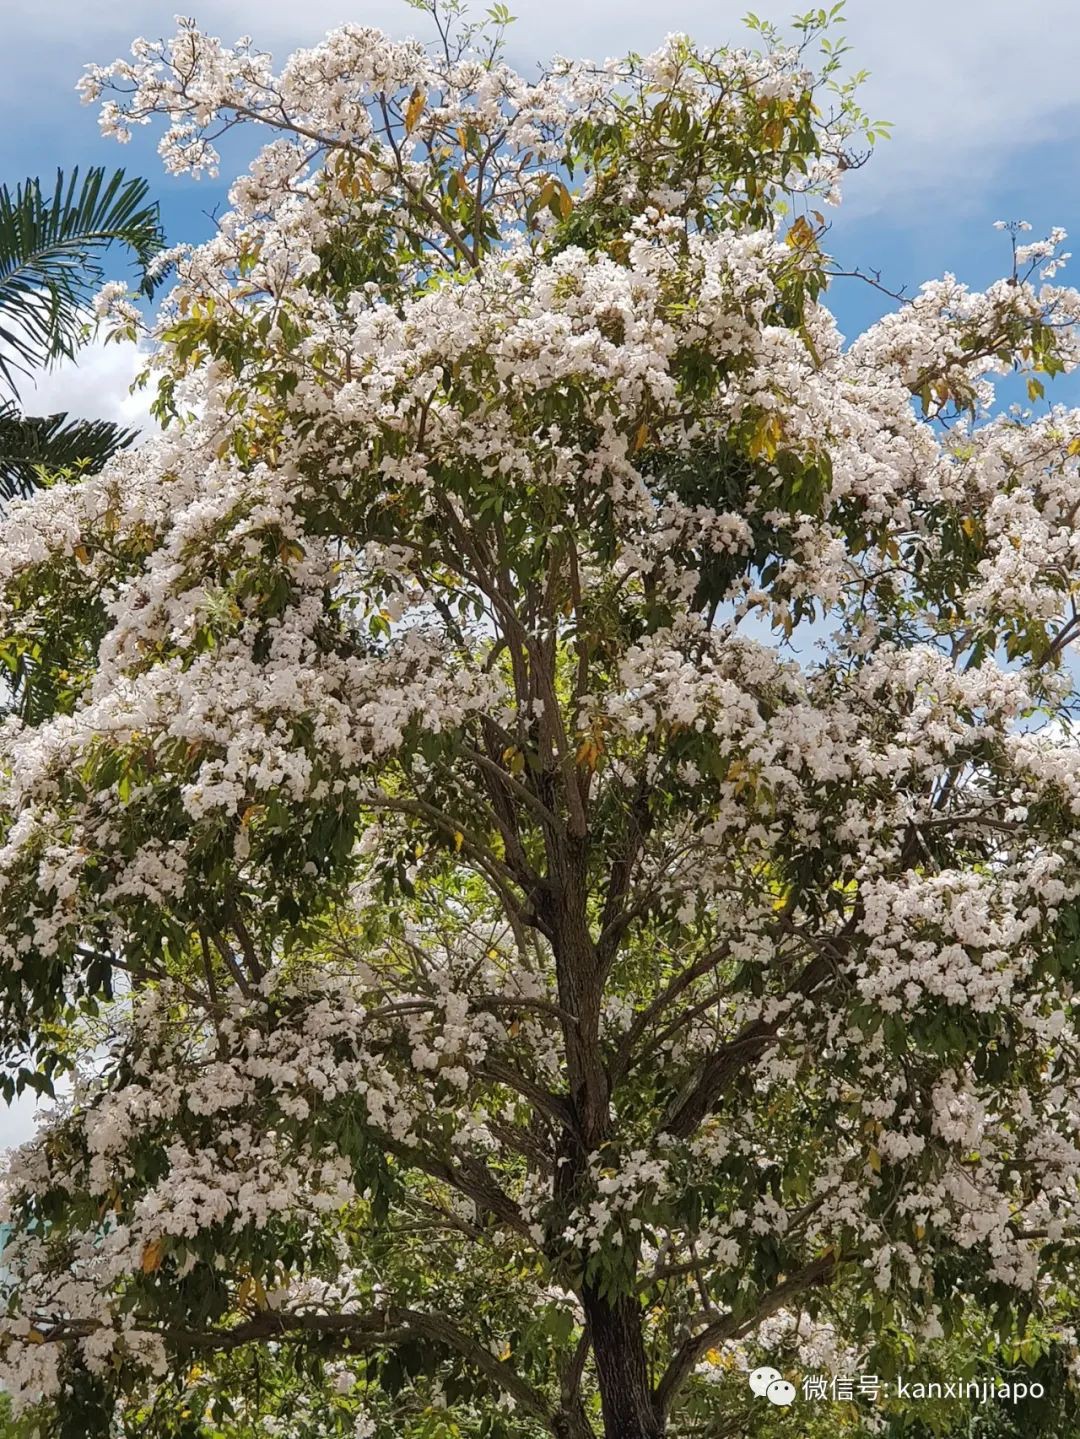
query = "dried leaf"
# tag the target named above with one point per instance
(151, 1256)
(801, 234)
(414, 109)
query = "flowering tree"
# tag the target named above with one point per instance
(551, 843)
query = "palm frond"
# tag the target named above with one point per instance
(50, 249)
(53, 442)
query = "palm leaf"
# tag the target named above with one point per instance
(53, 442)
(49, 259)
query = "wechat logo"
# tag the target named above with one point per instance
(770, 1384)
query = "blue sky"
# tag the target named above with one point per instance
(985, 107)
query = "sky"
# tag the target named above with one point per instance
(984, 103)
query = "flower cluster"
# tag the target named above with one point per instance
(551, 778)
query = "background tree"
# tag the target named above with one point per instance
(543, 787)
(49, 270)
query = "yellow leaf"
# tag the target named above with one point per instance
(1074, 446)
(260, 1294)
(968, 526)
(414, 109)
(766, 437)
(459, 840)
(744, 779)
(151, 1256)
(713, 1356)
(243, 1294)
(589, 751)
(35, 1337)
(641, 437)
(504, 1352)
(920, 1231)
(875, 1161)
(82, 554)
(566, 203)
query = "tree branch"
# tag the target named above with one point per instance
(730, 1327)
(380, 1328)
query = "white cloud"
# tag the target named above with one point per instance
(17, 1121)
(94, 386)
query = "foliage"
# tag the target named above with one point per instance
(543, 818)
(33, 444)
(49, 270)
(49, 266)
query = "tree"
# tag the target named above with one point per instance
(49, 269)
(555, 793)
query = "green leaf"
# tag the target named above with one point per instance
(49, 260)
(30, 444)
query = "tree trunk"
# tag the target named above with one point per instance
(615, 1326)
(573, 1423)
(619, 1350)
